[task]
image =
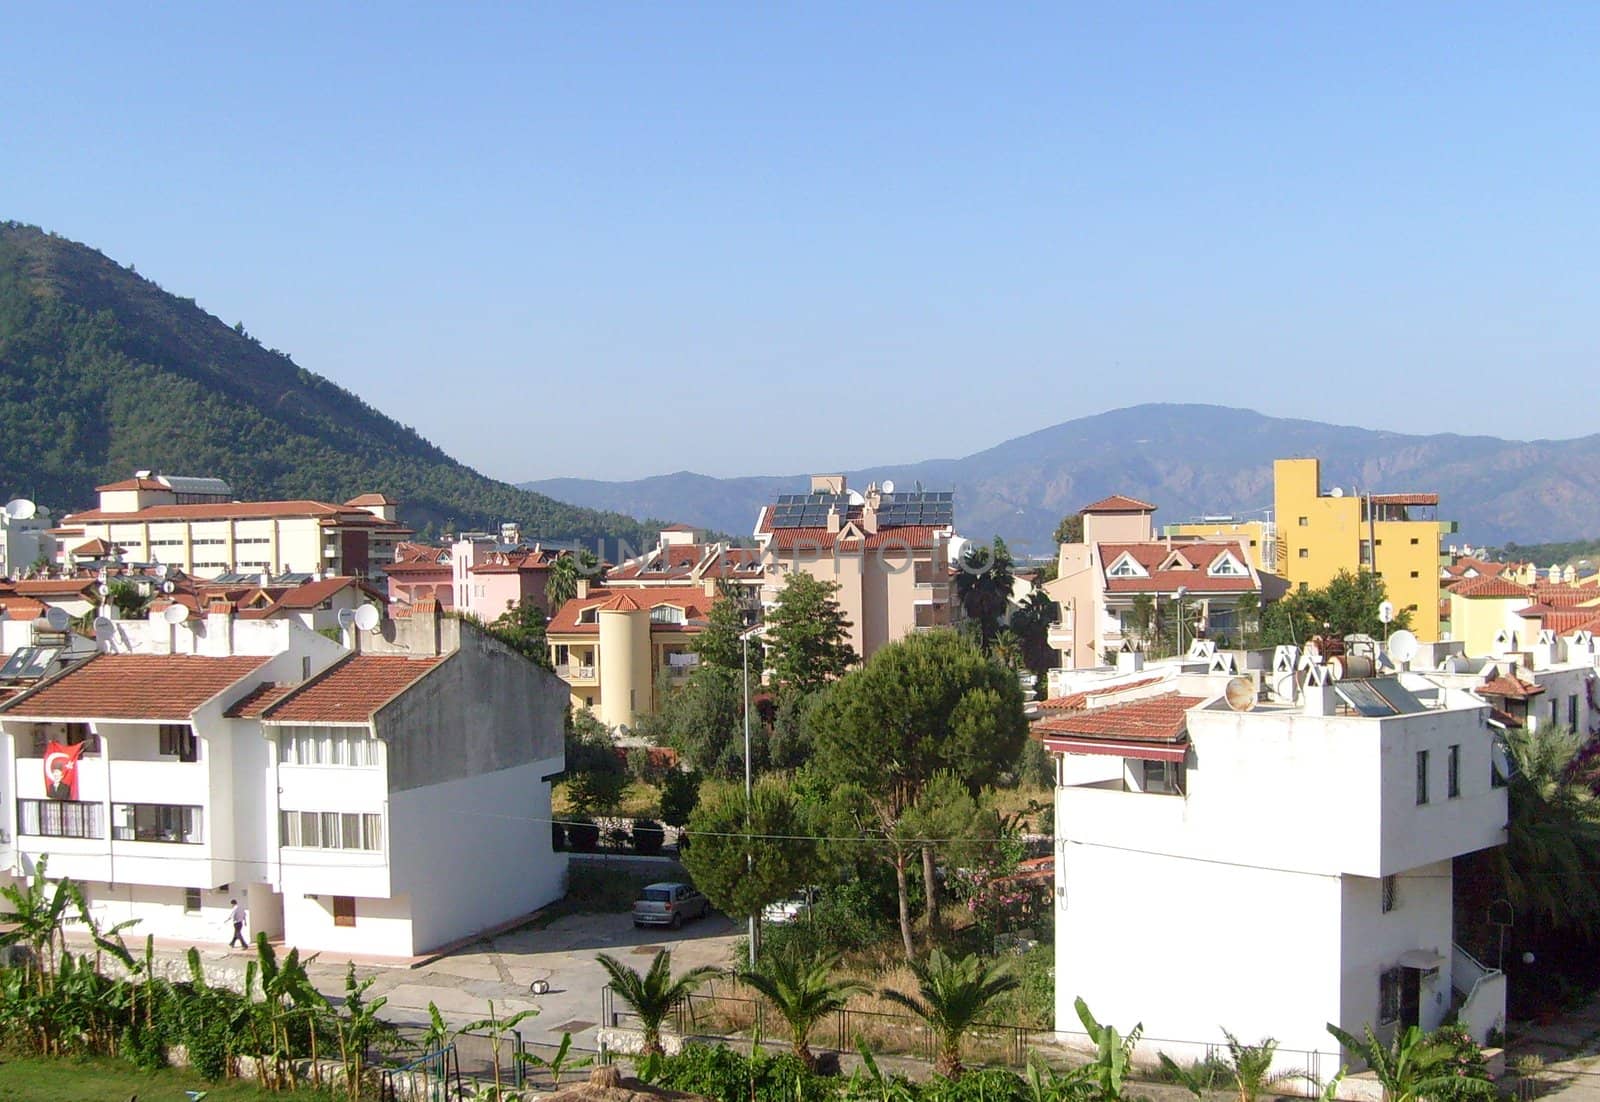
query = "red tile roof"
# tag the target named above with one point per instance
(1154, 719)
(1560, 595)
(1405, 499)
(1508, 686)
(692, 599)
(1201, 554)
(235, 510)
(258, 700)
(135, 686)
(133, 484)
(913, 537)
(21, 608)
(1489, 586)
(1117, 503)
(54, 587)
(351, 691)
(1459, 568)
(98, 547)
(1077, 702)
(679, 528)
(371, 499)
(417, 566)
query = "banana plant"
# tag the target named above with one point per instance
(1113, 1058)
(497, 1027)
(558, 1064)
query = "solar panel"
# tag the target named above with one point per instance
(807, 510)
(1379, 696)
(17, 663)
(930, 508)
(39, 663)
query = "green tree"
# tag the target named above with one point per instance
(951, 997)
(1248, 1069)
(1113, 1058)
(923, 704)
(653, 995)
(1247, 617)
(983, 586)
(1347, 605)
(125, 597)
(801, 987)
(719, 643)
(1415, 1066)
(1069, 530)
(1031, 621)
(680, 795)
(595, 775)
(522, 628)
(807, 635)
(561, 584)
(746, 855)
(703, 720)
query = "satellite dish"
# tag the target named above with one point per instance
(1181, 592)
(1386, 612)
(168, 587)
(888, 486)
(162, 570)
(347, 616)
(1337, 491)
(102, 589)
(57, 618)
(103, 625)
(20, 508)
(856, 498)
(367, 617)
(175, 614)
(1403, 646)
(1241, 694)
(958, 547)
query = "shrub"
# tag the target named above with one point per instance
(648, 836)
(680, 793)
(583, 836)
(722, 1073)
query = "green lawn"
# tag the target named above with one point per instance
(97, 1080)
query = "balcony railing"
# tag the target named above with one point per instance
(572, 673)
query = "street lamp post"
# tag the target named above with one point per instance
(749, 857)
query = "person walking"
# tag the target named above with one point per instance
(237, 916)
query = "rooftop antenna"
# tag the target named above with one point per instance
(1403, 646)
(888, 486)
(1241, 694)
(367, 617)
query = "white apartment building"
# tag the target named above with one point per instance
(24, 536)
(385, 801)
(189, 523)
(1274, 869)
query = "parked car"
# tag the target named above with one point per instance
(669, 904)
(787, 910)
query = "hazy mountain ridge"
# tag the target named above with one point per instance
(104, 372)
(1189, 460)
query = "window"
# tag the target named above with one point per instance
(1162, 777)
(1366, 552)
(1414, 574)
(1572, 712)
(1389, 996)
(1304, 586)
(1226, 566)
(1555, 711)
(1453, 774)
(68, 734)
(1125, 567)
(1305, 552)
(177, 740)
(191, 901)
(344, 910)
(61, 818)
(666, 614)
(326, 746)
(1413, 541)
(1388, 892)
(155, 823)
(1422, 777)
(331, 830)
(1305, 522)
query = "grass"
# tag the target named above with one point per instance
(104, 1080)
(639, 801)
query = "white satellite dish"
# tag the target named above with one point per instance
(1241, 694)
(175, 614)
(57, 618)
(347, 616)
(162, 570)
(958, 547)
(1337, 491)
(1403, 646)
(367, 617)
(888, 486)
(856, 498)
(1386, 612)
(20, 508)
(102, 589)
(168, 587)
(103, 625)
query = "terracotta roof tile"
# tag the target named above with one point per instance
(21, 608)
(371, 499)
(1077, 702)
(351, 691)
(1201, 554)
(1154, 719)
(1489, 586)
(235, 510)
(133, 484)
(258, 700)
(135, 686)
(1508, 686)
(1118, 503)
(692, 599)
(914, 537)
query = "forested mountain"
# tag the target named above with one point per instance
(103, 373)
(1188, 459)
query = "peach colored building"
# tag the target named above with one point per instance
(1120, 559)
(681, 559)
(889, 552)
(419, 571)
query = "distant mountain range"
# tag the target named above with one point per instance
(1189, 460)
(102, 372)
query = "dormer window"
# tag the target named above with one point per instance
(666, 614)
(588, 615)
(1226, 566)
(1126, 567)
(1176, 561)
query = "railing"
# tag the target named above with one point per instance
(571, 672)
(439, 1070)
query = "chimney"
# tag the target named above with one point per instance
(219, 624)
(583, 587)
(1130, 660)
(425, 619)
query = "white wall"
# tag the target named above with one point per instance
(475, 852)
(1373, 941)
(159, 911)
(383, 926)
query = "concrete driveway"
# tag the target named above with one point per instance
(563, 954)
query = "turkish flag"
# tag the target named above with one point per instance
(61, 770)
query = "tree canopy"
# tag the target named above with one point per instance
(983, 586)
(747, 855)
(807, 635)
(1347, 605)
(719, 643)
(522, 628)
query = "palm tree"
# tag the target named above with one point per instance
(801, 989)
(1548, 866)
(1250, 1068)
(983, 586)
(655, 994)
(951, 997)
(1414, 1067)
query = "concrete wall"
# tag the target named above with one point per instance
(1372, 942)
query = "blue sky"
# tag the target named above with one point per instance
(616, 240)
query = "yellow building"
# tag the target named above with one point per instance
(1483, 615)
(1258, 538)
(613, 646)
(1395, 535)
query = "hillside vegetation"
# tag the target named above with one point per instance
(102, 372)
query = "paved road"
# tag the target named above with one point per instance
(1570, 1050)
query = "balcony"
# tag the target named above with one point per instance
(1060, 635)
(574, 674)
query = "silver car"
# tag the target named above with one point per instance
(669, 904)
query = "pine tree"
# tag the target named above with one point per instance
(807, 635)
